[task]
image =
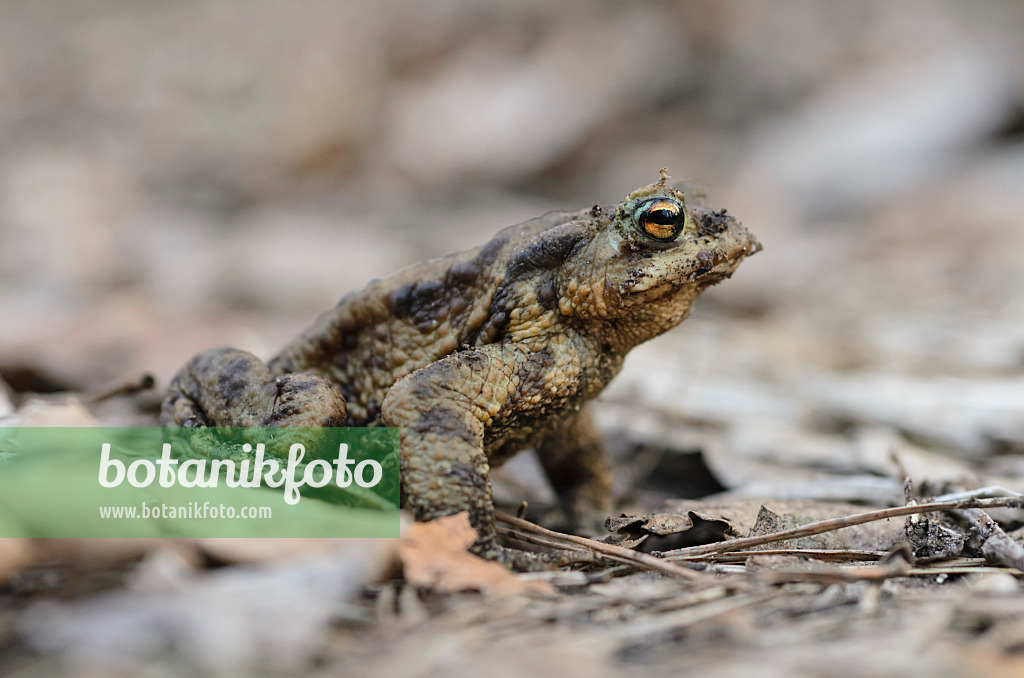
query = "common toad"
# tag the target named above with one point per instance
(483, 353)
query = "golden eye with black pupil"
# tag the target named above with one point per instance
(661, 219)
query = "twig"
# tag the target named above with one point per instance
(563, 578)
(832, 574)
(816, 554)
(833, 524)
(540, 540)
(996, 545)
(610, 551)
(895, 564)
(129, 386)
(987, 492)
(945, 561)
(973, 569)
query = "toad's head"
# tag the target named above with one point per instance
(648, 259)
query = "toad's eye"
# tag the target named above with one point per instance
(661, 219)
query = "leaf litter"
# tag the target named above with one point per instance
(698, 574)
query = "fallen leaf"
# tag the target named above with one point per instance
(692, 523)
(434, 556)
(15, 555)
(661, 524)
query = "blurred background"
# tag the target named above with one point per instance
(178, 175)
(181, 175)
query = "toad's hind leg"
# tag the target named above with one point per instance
(228, 387)
(575, 463)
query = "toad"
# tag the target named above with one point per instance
(483, 353)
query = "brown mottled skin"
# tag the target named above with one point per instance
(487, 352)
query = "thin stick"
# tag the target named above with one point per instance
(831, 575)
(814, 554)
(129, 386)
(538, 540)
(833, 524)
(608, 550)
(996, 545)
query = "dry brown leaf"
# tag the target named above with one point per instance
(984, 660)
(773, 517)
(691, 522)
(15, 554)
(661, 524)
(434, 556)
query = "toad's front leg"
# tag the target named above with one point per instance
(444, 411)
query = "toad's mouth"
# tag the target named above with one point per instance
(719, 259)
(703, 268)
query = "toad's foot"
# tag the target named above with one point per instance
(228, 387)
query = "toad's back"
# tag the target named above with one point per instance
(396, 325)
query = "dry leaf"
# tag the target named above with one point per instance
(15, 554)
(691, 523)
(662, 524)
(434, 556)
